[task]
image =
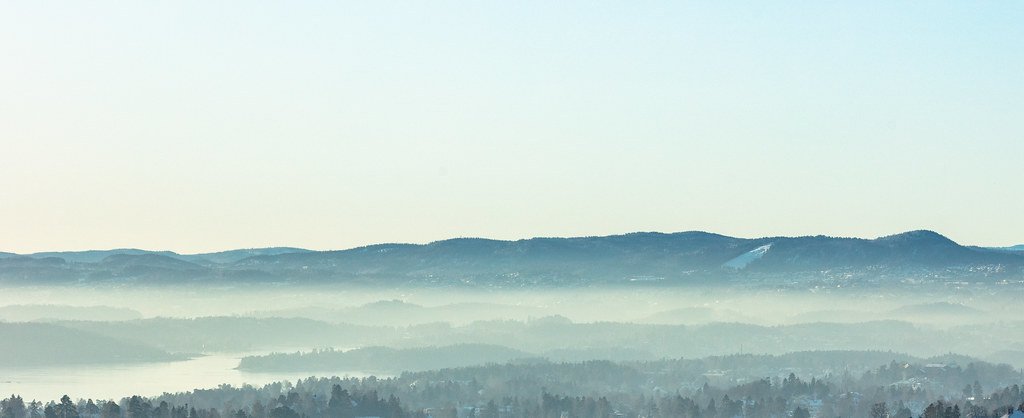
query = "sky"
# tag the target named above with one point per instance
(199, 126)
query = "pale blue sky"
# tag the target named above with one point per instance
(197, 126)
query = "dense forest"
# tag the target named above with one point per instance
(585, 389)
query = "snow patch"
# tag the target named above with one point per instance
(748, 257)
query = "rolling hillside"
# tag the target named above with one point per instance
(636, 258)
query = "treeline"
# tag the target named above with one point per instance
(384, 359)
(340, 404)
(849, 370)
(588, 389)
(793, 398)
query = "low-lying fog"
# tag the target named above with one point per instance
(205, 336)
(951, 306)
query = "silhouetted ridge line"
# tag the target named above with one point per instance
(680, 258)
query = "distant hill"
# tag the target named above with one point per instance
(394, 312)
(95, 256)
(232, 256)
(938, 309)
(1012, 357)
(36, 344)
(935, 313)
(555, 337)
(643, 258)
(26, 313)
(147, 267)
(178, 335)
(29, 270)
(646, 258)
(383, 359)
(694, 315)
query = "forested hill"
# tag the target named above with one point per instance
(36, 344)
(647, 257)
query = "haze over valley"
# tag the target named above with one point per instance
(267, 315)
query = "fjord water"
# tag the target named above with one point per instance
(114, 381)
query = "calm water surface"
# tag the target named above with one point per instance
(114, 381)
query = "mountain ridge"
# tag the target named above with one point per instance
(92, 256)
(680, 257)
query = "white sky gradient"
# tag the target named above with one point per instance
(197, 126)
